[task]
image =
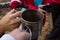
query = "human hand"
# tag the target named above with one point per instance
(41, 10)
(9, 21)
(19, 34)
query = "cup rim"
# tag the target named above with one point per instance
(42, 16)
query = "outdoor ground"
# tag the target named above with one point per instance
(45, 30)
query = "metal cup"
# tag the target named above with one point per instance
(32, 19)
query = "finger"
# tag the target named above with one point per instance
(16, 25)
(42, 5)
(16, 20)
(20, 28)
(27, 35)
(41, 10)
(16, 14)
(12, 11)
(44, 11)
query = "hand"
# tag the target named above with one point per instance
(9, 21)
(41, 10)
(19, 35)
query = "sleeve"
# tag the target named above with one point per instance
(7, 37)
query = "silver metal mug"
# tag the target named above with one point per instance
(33, 20)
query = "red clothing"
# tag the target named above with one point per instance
(47, 1)
(51, 1)
(56, 1)
(14, 4)
(30, 4)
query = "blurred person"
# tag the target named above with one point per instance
(55, 10)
